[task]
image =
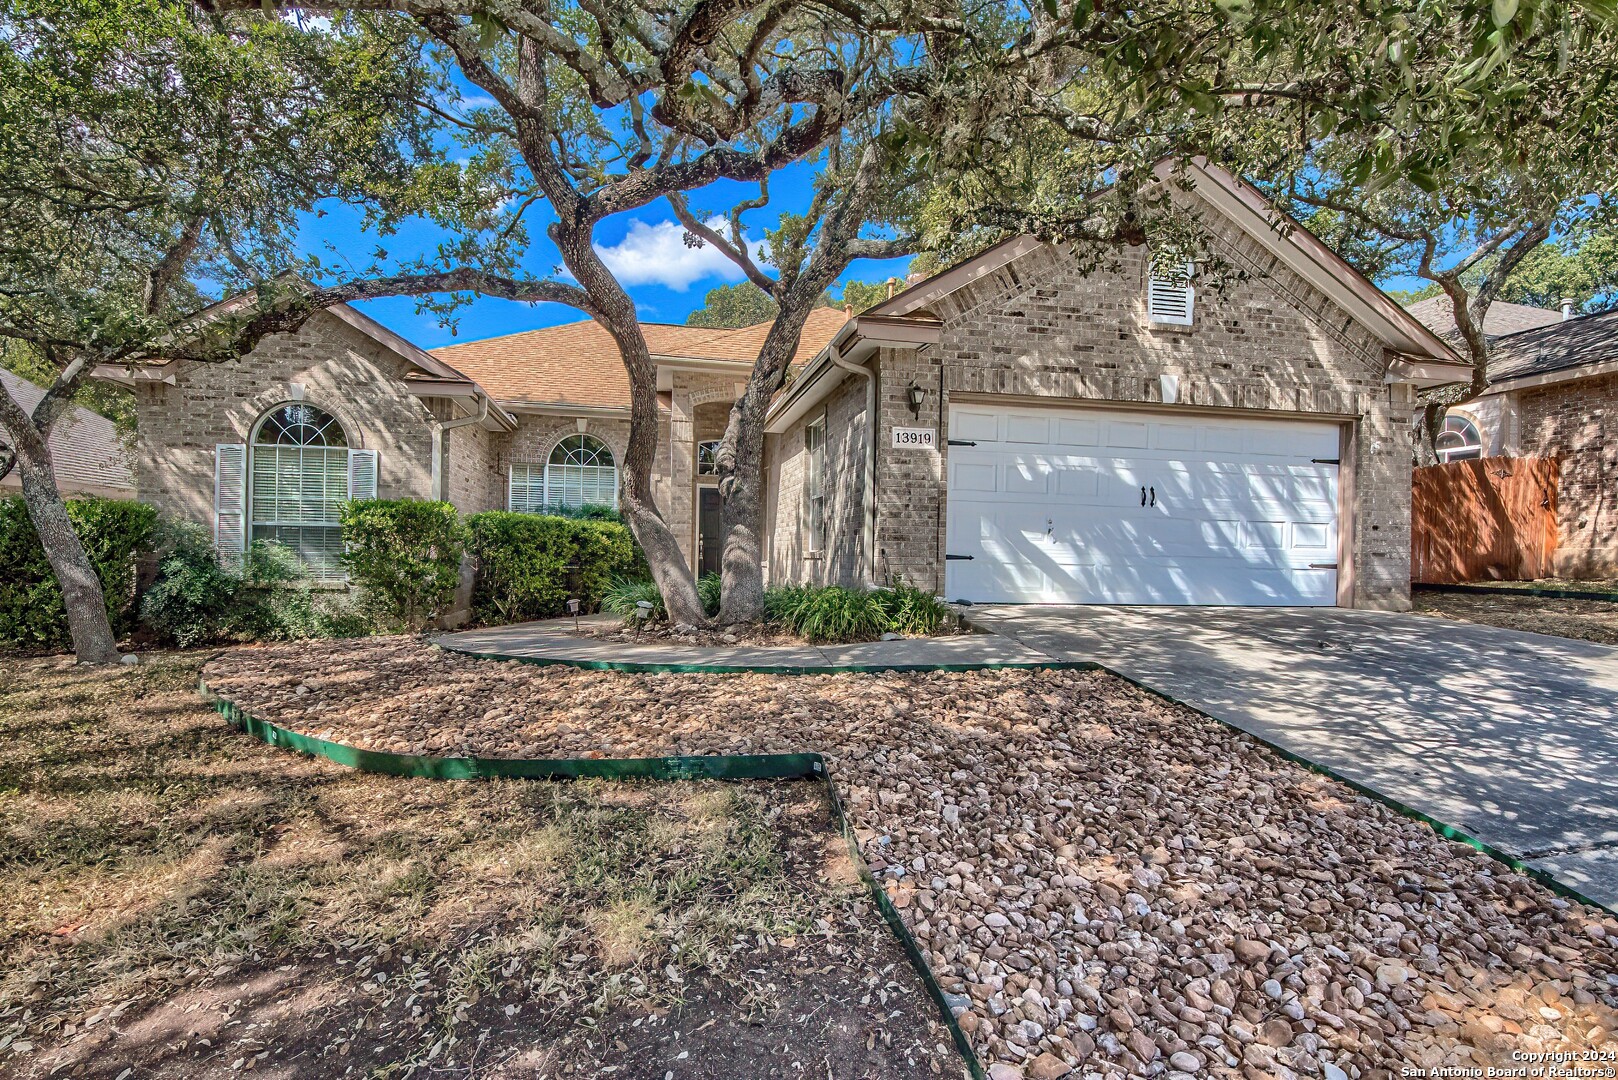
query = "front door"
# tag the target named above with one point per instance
(709, 545)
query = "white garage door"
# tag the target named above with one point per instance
(1088, 506)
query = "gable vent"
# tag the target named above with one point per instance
(1169, 297)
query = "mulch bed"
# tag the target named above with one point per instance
(1510, 609)
(1107, 882)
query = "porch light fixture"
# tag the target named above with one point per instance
(916, 395)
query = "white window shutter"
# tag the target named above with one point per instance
(1169, 299)
(362, 466)
(230, 500)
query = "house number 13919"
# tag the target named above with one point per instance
(915, 438)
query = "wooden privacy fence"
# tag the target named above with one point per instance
(1493, 519)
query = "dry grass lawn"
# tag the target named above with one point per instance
(180, 900)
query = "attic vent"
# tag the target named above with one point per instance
(1170, 295)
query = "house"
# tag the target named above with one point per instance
(1013, 429)
(87, 453)
(267, 447)
(1553, 392)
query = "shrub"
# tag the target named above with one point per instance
(624, 594)
(587, 512)
(529, 565)
(197, 601)
(909, 610)
(114, 533)
(825, 613)
(405, 554)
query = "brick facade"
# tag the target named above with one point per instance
(330, 364)
(1042, 327)
(327, 363)
(1573, 420)
(788, 554)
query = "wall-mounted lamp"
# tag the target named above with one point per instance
(916, 395)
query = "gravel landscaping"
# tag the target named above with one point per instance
(1110, 884)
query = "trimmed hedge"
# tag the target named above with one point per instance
(530, 565)
(114, 532)
(405, 554)
(822, 614)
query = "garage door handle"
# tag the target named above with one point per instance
(1154, 496)
(1143, 496)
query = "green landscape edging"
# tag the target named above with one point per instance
(708, 767)
(1507, 590)
(636, 667)
(1444, 829)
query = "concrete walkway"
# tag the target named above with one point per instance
(1508, 736)
(553, 640)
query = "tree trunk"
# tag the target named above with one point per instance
(617, 313)
(87, 623)
(741, 472)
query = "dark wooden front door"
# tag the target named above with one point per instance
(709, 543)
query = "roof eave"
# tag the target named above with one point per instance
(854, 340)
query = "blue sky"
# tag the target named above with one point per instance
(645, 249)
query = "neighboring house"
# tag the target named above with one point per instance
(1014, 429)
(87, 454)
(1553, 392)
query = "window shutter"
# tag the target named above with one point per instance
(230, 500)
(1169, 299)
(362, 474)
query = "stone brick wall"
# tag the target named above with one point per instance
(1573, 420)
(472, 482)
(789, 557)
(1043, 327)
(336, 367)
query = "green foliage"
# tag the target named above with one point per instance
(862, 295)
(730, 306)
(817, 613)
(198, 601)
(828, 613)
(831, 613)
(586, 512)
(405, 554)
(530, 565)
(114, 532)
(1582, 267)
(625, 595)
(116, 403)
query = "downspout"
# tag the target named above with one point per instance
(438, 442)
(868, 532)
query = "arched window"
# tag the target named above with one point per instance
(299, 468)
(580, 472)
(1459, 441)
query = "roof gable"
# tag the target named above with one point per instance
(1247, 209)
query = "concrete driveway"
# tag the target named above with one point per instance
(1508, 736)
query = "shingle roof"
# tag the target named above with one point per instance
(86, 452)
(1501, 319)
(578, 363)
(1589, 339)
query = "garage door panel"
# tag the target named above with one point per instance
(1070, 432)
(1049, 509)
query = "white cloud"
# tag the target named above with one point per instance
(656, 254)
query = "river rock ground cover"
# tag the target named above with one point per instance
(179, 901)
(1108, 884)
